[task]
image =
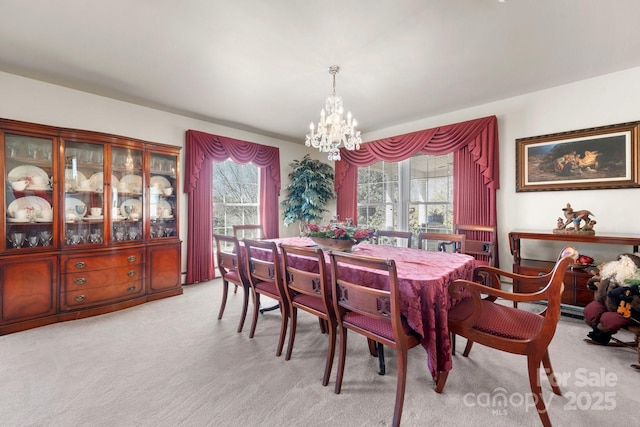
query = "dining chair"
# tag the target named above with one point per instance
(265, 278)
(229, 261)
(250, 231)
(442, 242)
(372, 312)
(307, 287)
(511, 329)
(392, 237)
(480, 242)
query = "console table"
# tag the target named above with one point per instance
(576, 292)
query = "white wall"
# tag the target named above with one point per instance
(595, 102)
(38, 102)
(600, 101)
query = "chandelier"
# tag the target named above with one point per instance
(333, 130)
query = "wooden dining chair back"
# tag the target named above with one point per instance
(393, 238)
(307, 287)
(265, 278)
(442, 242)
(480, 242)
(248, 231)
(511, 329)
(229, 260)
(372, 312)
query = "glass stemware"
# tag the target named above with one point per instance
(17, 239)
(45, 237)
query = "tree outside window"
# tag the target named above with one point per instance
(236, 195)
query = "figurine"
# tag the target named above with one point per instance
(575, 221)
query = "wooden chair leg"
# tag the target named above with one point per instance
(225, 291)
(323, 325)
(256, 310)
(441, 380)
(341, 357)
(330, 352)
(373, 348)
(283, 330)
(536, 390)
(245, 306)
(467, 348)
(546, 362)
(292, 333)
(402, 383)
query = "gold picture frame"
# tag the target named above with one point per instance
(585, 159)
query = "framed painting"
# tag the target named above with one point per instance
(586, 159)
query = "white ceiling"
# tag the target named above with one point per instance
(261, 65)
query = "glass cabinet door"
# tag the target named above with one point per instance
(127, 211)
(29, 197)
(162, 195)
(84, 198)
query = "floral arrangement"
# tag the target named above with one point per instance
(339, 231)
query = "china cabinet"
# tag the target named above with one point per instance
(90, 224)
(575, 291)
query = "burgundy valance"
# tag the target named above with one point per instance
(480, 136)
(201, 146)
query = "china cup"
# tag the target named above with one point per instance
(96, 212)
(19, 185)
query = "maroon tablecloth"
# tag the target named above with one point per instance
(424, 277)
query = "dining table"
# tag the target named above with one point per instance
(423, 278)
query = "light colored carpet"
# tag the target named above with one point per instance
(172, 363)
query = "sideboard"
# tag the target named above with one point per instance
(576, 292)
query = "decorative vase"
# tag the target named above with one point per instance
(333, 244)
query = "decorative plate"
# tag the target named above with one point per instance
(68, 176)
(133, 182)
(97, 181)
(163, 207)
(35, 203)
(26, 172)
(135, 204)
(160, 182)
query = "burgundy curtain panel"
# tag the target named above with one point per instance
(476, 172)
(202, 150)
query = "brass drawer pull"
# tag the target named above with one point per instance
(81, 298)
(131, 258)
(131, 288)
(81, 281)
(80, 264)
(131, 273)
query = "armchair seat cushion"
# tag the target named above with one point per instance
(500, 320)
(268, 288)
(232, 276)
(377, 326)
(310, 301)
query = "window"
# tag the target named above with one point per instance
(236, 195)
(415, 194)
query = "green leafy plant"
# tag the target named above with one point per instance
(310, 188)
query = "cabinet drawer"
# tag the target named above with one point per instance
(101, 278)
(74, 300)
(85, 263)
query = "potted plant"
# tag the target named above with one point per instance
(435, 215)
(309, 190)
